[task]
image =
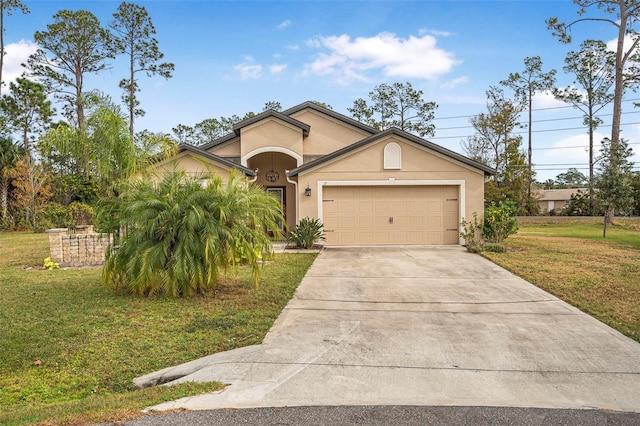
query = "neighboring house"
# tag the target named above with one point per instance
(367, 186)
(555, 199)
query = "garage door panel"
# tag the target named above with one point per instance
(381, 221)
(365, 206)
(451, 236)
(381, 207)
(391, 215)
(435, 236)
(415, 222)
(451, 206)
(346, 206)
(329, 206)
(347, 222)
(434, 206)
(367, 222)
(450, 223)
(434, 222)
(400, 206)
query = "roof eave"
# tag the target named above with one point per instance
(195, 150)
(488, 171)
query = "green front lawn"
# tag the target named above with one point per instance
(70, 347)
(572, 261)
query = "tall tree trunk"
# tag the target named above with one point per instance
(591, 207)
(25, 141)
(530, 153)
(4, 194)
(132, 93)
(82, 126)
(618, 89)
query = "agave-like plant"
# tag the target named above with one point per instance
(306, 233)
(180, 233)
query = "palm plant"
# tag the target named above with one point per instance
(9, 156)
(182, 232)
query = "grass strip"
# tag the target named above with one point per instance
(70, 347)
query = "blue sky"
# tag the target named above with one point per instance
(233, 56)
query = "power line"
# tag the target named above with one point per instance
(534, 131)
(533, 109)
(573, 147)
(569, 128)
(539, 121)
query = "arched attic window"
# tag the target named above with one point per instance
(392, 156)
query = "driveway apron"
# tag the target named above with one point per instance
(420, 326)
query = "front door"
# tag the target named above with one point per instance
(280, 193)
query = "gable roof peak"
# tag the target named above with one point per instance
(331, 113)
(275, 114)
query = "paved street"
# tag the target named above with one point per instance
(390, 415)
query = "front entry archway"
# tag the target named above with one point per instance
(272, 168)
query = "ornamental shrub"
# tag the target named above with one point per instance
(499, 222)
(182, 232)
(471, 232)
(50, 264)
(306, 233)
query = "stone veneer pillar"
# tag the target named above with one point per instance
(83, 248)
(55, 243)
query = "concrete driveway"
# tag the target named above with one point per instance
(420, 326)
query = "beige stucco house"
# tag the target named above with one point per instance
(555, 200)
(367, 186)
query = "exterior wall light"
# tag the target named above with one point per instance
(307, 191)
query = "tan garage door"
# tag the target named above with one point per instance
(361, 215)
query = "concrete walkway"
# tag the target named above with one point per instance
(420, 326)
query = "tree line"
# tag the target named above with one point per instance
(53, 164)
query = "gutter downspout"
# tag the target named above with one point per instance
(255, 178)
(295, 184)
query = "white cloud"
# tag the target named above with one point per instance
(542, 100)
(293, 47)
(248, 70)
(277, 68)
(612, 45)
(573, 149)
(15, 55)
(436, 33)
(351, 59)
(284, 24)
(464, 100)
(456, 82)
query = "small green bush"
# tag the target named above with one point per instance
(471, 232)
(499, 222)
(50, 264)
(81, 213)
(55, 215)
(306, 233)
(488, 234)
(58, 216)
